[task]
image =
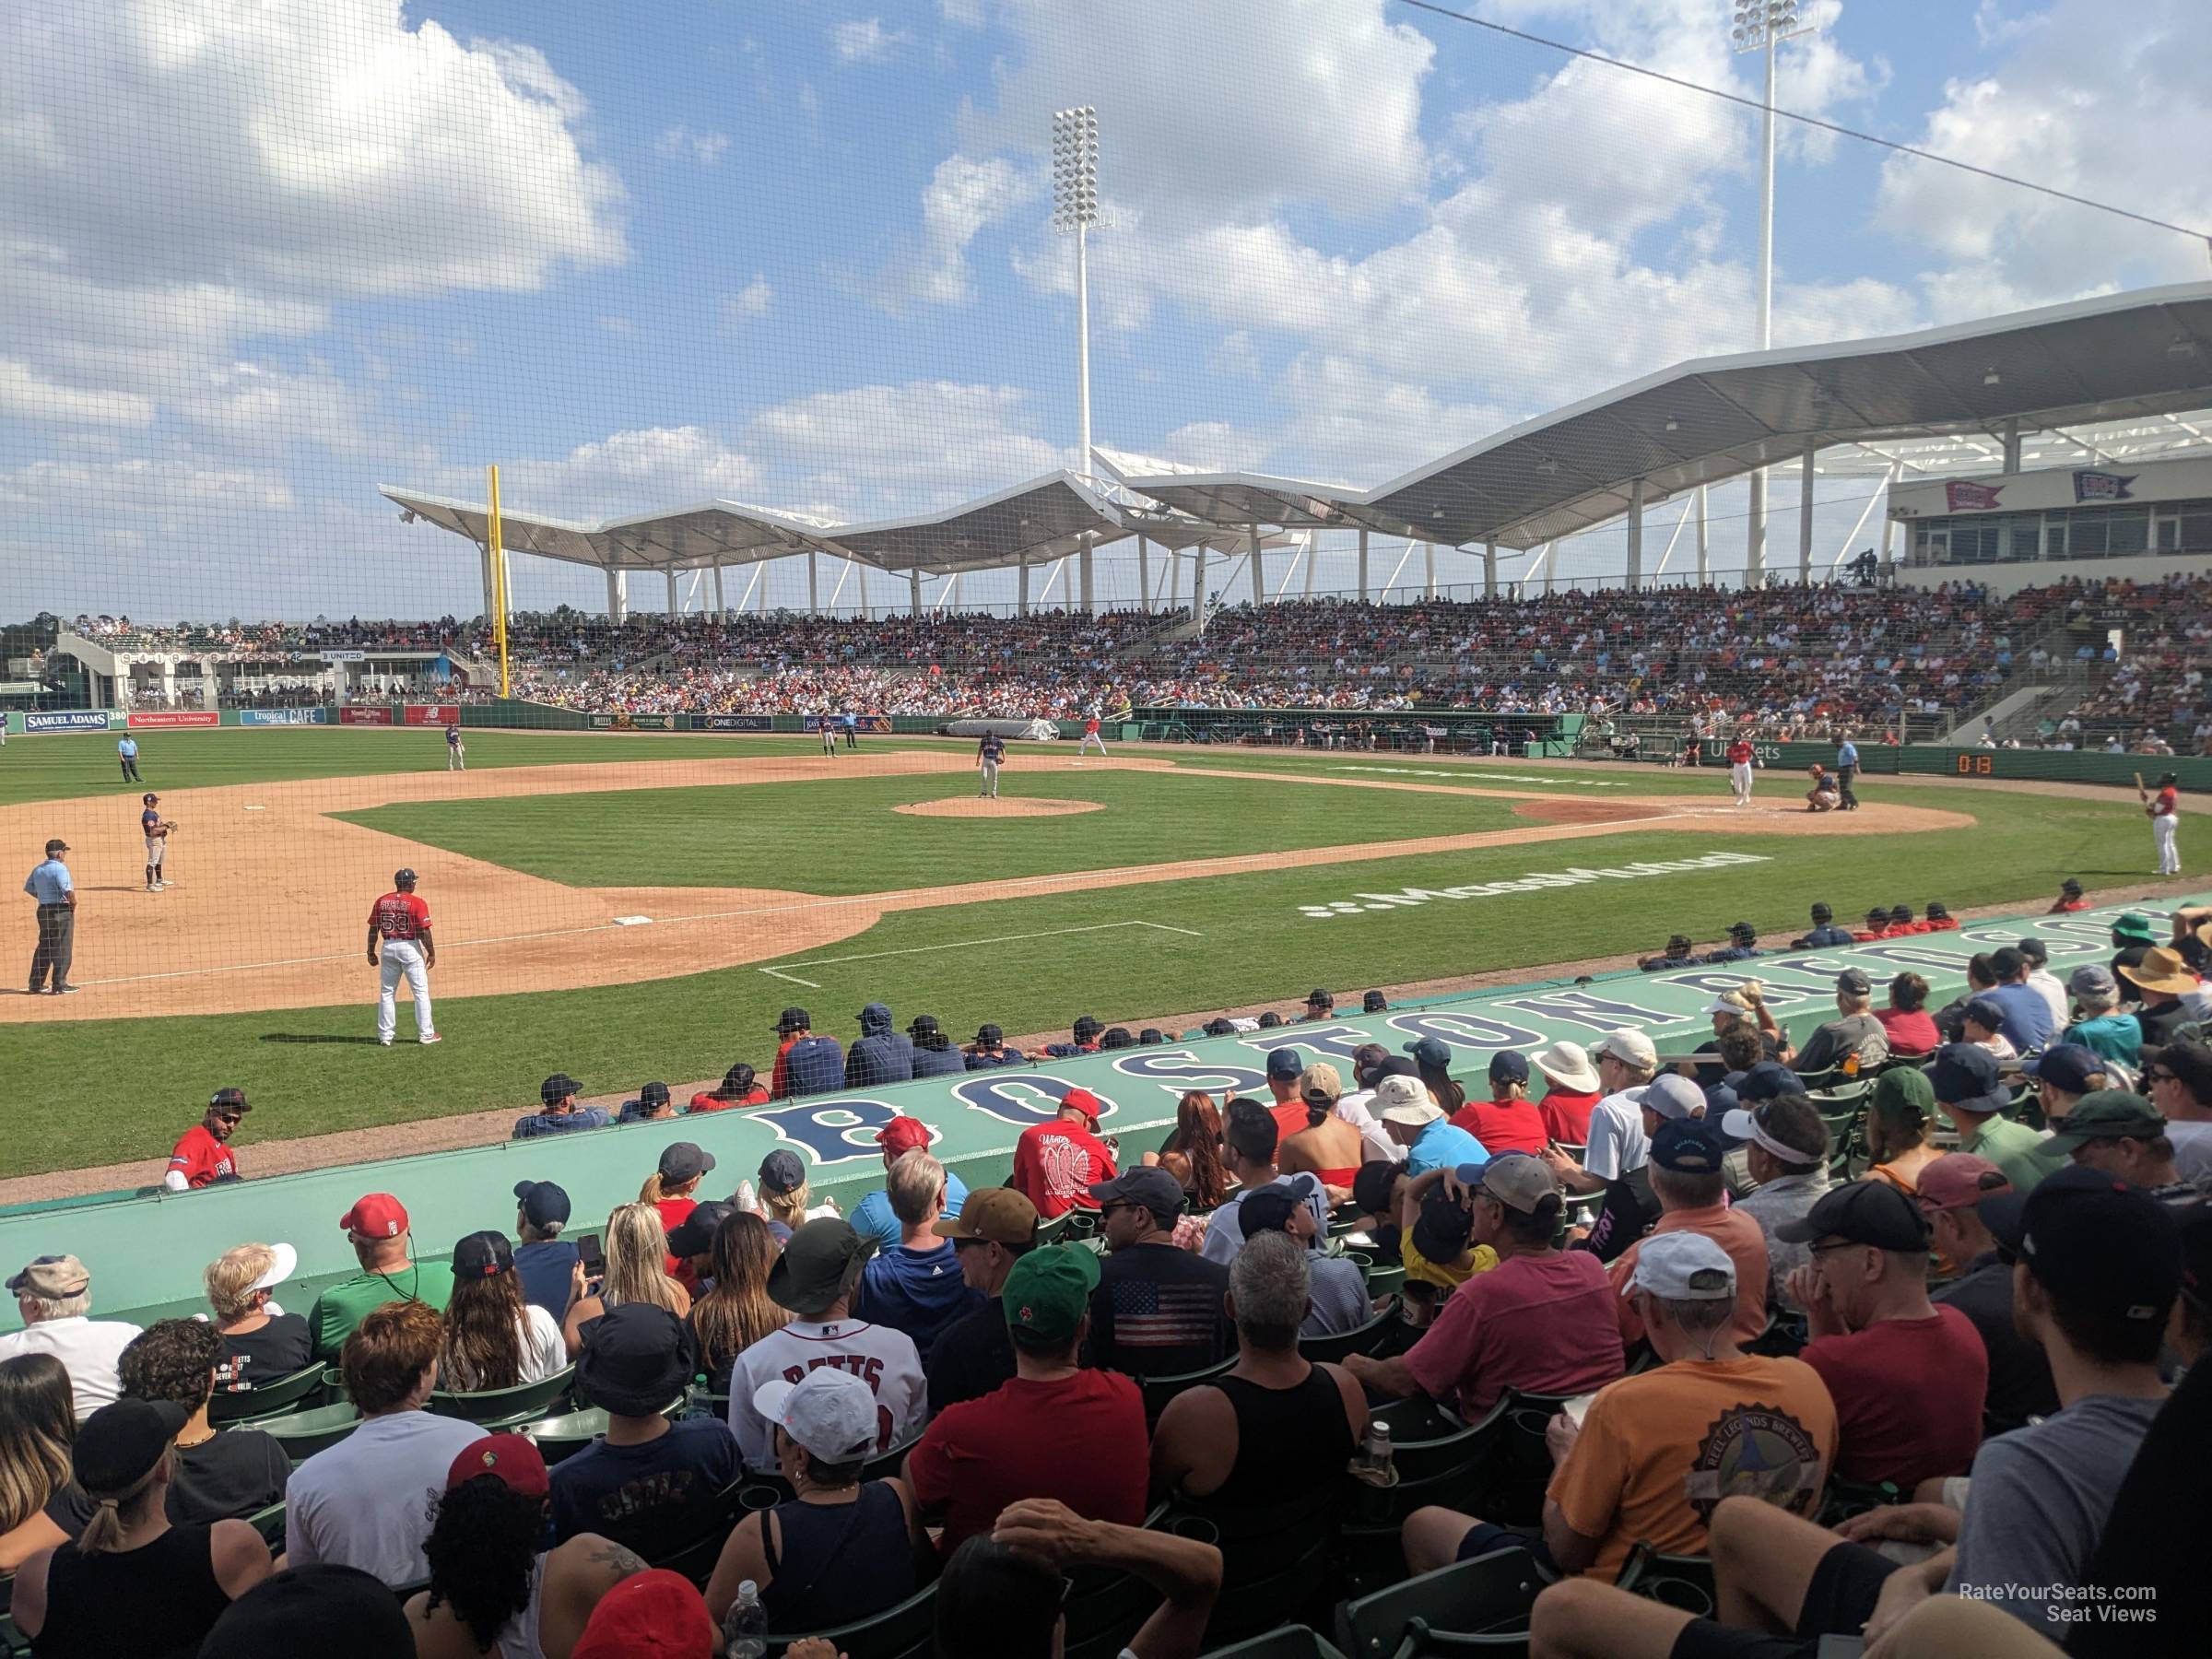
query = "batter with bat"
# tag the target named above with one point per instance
(403, 923)
(2165, 812)
(157, 830)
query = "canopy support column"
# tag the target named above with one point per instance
(863, 571)
(1144, 573)
(2012, 446)
(1805, 519)
(1021, 604)
(720, 613)
(1198, 588)
(1363, 564)
(1635, 533)
(1489, 569)
(617, 595)
(1704, 553)
(1259, 572)
(1429, 570)
(814, 585)
(913, 588)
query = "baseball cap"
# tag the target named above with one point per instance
(1742, 930)
(377, 1215)
(1767, 1081)
(149, 795)
(558, 1087)
(781, 1171)
(1900, 912)
(657, 1613)
(829, 1412)
(1146, 1184)
(1520, 1181)
(1085, 1028)
(1320, 1085)
(1507, 1067)
(811, 1270)
(54, 1277)
(2190, 1062)
(1679, 944)
(1374, 1002)
(1149, 1036)
(2092, 979)
(2036, 951)
(1671, 1095)
(2067, 1068)
(1269, 1020)
(1965, 1075)
(1083, 1102)
(694, 1235)
(1319, 998)
(1861, 1212)
(483, 1255)
(510, 1459)
(999, 1215)
(1960, 1181)
(235, 1098)
(989, 1033)
(923, 1025)
(1567, 1064)
(654, 1094)
(2081, 1232)
(2069, 886)
(1628, 1046)
(1683, 1266)
(684, 1160)
(1853, 981)
(284, 1262)
(1402, 1099)
(2108, 1114)
(902, 1134)
(637, 1357)
(1047, 1291)
(1430, 1053)
(2135, 927)
(739, 1078)
(1284, 1064)
(543, 1203)
(1220, 1025)
(1879, 916)
(321, 1607)
(2005, 962)
(57, 845)
(1937, 911)
(118, 1445)
(794, 1019)
(1690, 1147)
(1986, 1012)
(1442, 1230)
(1821, 913)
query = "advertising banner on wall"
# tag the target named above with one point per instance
(432, 713)
(633, 722)
(340, 656)
(284, 717)
(364, 715)
(732, 723)
(878, 723)
(65, 720)
(153, 719)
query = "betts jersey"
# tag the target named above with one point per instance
(1090, 726)
(201, 1159)
(883, 1358)
(400, 916)
(1740, 754)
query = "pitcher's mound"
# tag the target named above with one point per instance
(1006, 806)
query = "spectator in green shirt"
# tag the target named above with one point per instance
(378, 1227)
(1967, 1092)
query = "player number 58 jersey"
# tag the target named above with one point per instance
(400, 916)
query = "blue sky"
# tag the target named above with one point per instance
(797, 254)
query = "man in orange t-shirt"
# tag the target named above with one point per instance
(1688, 1181)
(1652, 1455)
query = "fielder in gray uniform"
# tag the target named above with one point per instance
(988, 754)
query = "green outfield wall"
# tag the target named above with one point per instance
(147, 1254)
(1972, 765)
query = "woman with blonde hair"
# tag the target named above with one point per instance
(736, 1313)
(782, 1196)
(39, 1506)
(134, 1586)
(1744, 1006)
(492, 1338)
(671, 1189)
(637, 1249)
(262, 1343)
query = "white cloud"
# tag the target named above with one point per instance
(176, 487)
(623, 327)
(256, 408)
(965, 14)
(865, 41)
(637, 471)
(26, 394)
(963, 198)
(748, 304)
(908, 448)
(679, 141)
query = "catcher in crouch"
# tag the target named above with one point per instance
(1824, 795)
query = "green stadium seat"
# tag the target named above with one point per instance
(1361, 1339)
(1102, 1609)
(1288, 1641)
(499, 1408)
(1521, 1468)
(1158, 1390)
(1275, 1562)
(304, 1433)
(566, 1433)
(269, 1523)
(1480, 1605)
(695, 1559)
(271, 1399)
(1679, 1582)
(905, 1631)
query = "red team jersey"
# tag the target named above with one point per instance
(2166, 803)
(201, 1159)
(400, 916)
(1740, 754)
(1056, 1164)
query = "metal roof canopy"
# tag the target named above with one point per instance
(2114, 358)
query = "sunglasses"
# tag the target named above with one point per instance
(2159, 1074)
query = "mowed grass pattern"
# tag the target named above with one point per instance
(843, 835)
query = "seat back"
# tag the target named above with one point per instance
(1359, 1339)
(1158, 1390)
(1682, 1582)
(1275, 1562)
(695, 1559)
(1480, 1605)
(1285, 1642)
(269, 1399)
(1521, 1468)
(904, 1631)
(566, 1433)
(269, 1523)
(505, 1407)
(304, 1433)
(1104, 1608)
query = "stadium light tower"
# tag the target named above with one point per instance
(1760, 26)
(1075, 212)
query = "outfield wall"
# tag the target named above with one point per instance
(148, 1252)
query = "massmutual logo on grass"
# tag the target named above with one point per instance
(1480, 775)
(1533, 882)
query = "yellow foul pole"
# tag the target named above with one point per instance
(495, 551)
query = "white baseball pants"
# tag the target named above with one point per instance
(403, 956)
(2162, 830)
(1083, 747)
(990, 783)
(1740, 777)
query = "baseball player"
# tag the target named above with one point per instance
(2165, 812)
(850, 723)
(1823, 796)
(1090, 736)
(403, 923)
(1847, 768)
(203, 1155)
(156, 831)
(827, 723)
(456, 757)
(1742, 758)
(988, 754)
(126, 751)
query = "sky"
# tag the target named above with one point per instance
(255, 261)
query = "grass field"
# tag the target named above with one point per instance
(1020, 961)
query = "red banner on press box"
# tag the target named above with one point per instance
(436, 714)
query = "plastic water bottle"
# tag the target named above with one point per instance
(745, 1626)
(1374, 1465)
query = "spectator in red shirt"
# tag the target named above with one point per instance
(1910, 1028)
(1571, 1089)
(1873, 1331)
(2069, 898)
(1878, 927)
(1056, 1164)
(1059, 1429)
(792, 1025)
(1510, 1120)
(1938, 918)
(1288, 1107)
(204, 1156)
(737, 1088)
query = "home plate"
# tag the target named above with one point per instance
(633, 921)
